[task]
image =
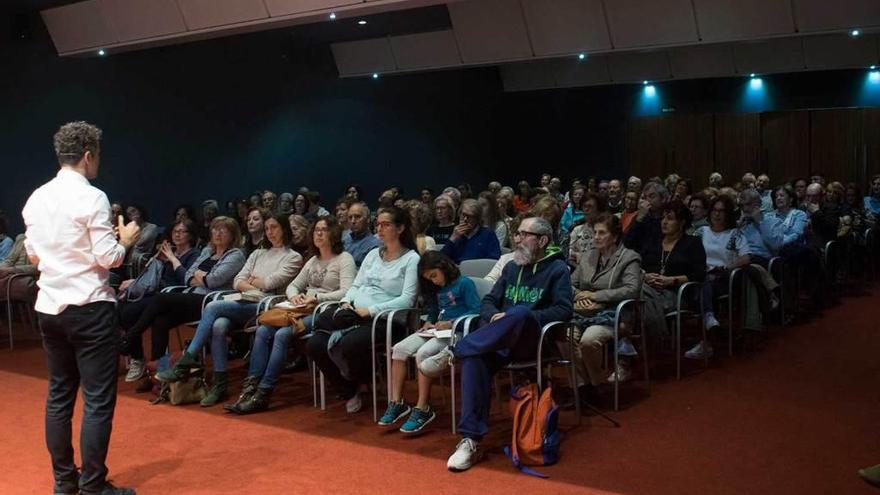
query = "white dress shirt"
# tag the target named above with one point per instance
(69, 230)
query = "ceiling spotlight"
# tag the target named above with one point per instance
(756, 83)
(582, 56)
(101, 52)
(874, 77)
(332, 16)
(873, 67)
(362, 22)
(644, 83)
(650, 91)
(752, 74)
(375, 75)
(855, 32)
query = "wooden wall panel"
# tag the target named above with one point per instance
(692, 147)
(871, 146)
(785, 141)
(835, 144)
(647, 149)
(737, 144)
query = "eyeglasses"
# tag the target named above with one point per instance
(384, 225)
(321, 229)
(467, 215)
(523, 233)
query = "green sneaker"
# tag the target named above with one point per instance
(395, 412)
(418, 420)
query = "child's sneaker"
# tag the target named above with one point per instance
(418, 419)
(395, 412)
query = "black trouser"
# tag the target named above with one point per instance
(356, 347)
(164, 312)
(81, 345)
(129, 313)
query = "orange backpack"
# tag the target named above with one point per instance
(536, 436)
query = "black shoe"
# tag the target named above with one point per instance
(257, 403)
(109, 489)
(248, 388)
(68, 487)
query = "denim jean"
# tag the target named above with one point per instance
(218, 318)
(269, 354)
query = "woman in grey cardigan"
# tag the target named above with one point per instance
(606, 275)
(213, 270)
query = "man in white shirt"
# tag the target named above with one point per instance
(70, 238)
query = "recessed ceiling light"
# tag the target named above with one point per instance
(582, 56)
(855, 32)
(362, 22)
(375, 75)
(332, 16)
(101, 52)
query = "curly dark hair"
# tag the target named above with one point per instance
(681, 212)
(436, 260)
(74, 139)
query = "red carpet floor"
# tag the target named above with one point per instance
(798, 414)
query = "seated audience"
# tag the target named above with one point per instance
(762, 235)
(723, 254)
(533, 290)
(388, 279)
(327, 276)
(6, 242)
(168, 268)
(799, 186)
(299, 235)
(285, 203)
(214, 269)
(354, 193)
(699, 206)
(581, 237)
(634, 184)
(615, 196)
(267, 271)
(426, 196)
(444, 220)
(605, 275)
(149, 232)
(448, 295)
(762, 185)
(872, 202)
(210, 211)
(255, 225)
(523, 200)
(469, 239)
(794, 221)
(673, 259)
(630, 210)
(716, 180)
(495, 273)
(645, 228)
(572, 215)
(342, 207)
(420, 215)
(492, 217)
(359, 241)
(269, 200)
(683, 191)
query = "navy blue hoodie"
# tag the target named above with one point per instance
(544, 287)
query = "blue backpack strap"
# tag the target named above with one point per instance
(518, 465)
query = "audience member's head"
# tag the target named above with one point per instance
(489, 205)
(269, 200)
(555, 185)
(444, 211)
(545, 180)
(716, 180)
(353, 192)
(471, 215)
(817, 179)
(358, 218)
(299, 233)
(577, 196)
(602, 188)
(285, 203)
(301, 203)
(533, 236)
(748, 180)
(591, 184)
(255, 199)
(436, 270)
(676, 219)
(683, 190)
(815, 194)
(749, 202)
(722, 214)
(670, 181)
(326, 236)
(455, 195)
(634, 184)
(421, 216)
(656, 195)
(116, 209)
(182, 212)
(631, 201)
(426, 196)
(393, 226)
(699, 207)
(255, 223)
(834, 193)
(342, 206)
(592, 205)
(606, 232)
(783, 198)
(225, 234)
(525, 190)
(466, 191)
(136, 214)
(210, 209)
(799, 186)
(762, 183)
(494, 187)
(505, 201)
(875, 186)
(183, 235)
(277, 231)
(730, 192)
(615, 191)
(547, 207)
(387, 198)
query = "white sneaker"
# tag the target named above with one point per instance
(467, 453)
(711, 321)
(136, 369)
(621, 375)
(435, 365)
(703, 350)
(354, 404)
